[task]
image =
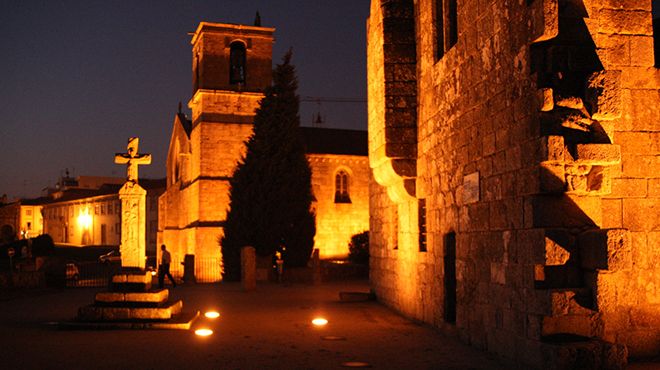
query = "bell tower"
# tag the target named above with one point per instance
(231, 66)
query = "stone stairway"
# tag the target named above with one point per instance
(131, 303)
(576, 161)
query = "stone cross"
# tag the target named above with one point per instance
(132, 159)
(133, 208)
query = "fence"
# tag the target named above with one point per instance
(207, 269)
(86, 274)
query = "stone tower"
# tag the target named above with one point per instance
(231, 65)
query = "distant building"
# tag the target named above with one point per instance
(231, 67)
(22, 218)
(92, 216)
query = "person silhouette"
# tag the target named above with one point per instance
(164, 267)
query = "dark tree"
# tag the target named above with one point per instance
(270, 194)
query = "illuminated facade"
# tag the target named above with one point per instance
(88, 216)
(231, 67)
(23, 218)
(515, 148)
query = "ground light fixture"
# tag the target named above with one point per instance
(204, 332)
(212, 314)
(319, 321)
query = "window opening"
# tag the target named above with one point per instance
(237, 63)
(421, 222)
(446, 26)
(450, 278)
(341, 188)
(656, 31)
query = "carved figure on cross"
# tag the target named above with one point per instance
(132, 159)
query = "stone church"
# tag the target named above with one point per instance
(515, 148)
(231, 66)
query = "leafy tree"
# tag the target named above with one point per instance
(270, 194)
(358, 248)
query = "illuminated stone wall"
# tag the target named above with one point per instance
(538, 147)
(337, 222)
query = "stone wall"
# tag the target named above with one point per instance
(538, 148)
(337, 222)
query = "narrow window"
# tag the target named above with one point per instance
(421, 221)
(237, 63)
(656, 32)
(446, 26)
(452, 26)
(450, 278)
(341, 188)
(439, 29)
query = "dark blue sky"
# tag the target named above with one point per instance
(77, 78)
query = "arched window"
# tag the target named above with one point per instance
(237, 63)
(341, 187)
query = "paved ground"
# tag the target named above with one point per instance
(267, 329)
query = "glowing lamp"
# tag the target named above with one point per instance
(319, 321)
(85, 220)
(153, 273)
(203, 332)
(212, 315)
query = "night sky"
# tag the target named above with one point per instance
(77, 78)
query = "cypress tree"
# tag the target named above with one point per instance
(270, 191)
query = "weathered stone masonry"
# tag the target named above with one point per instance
(535, 140)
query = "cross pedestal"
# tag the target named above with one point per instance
(133, 225)
(133, 208)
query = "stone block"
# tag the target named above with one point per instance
(641, 342)
(157, 296)
(629, 188)
(558, 247)
(641, 51)
(561, 211)
(546, 99)
(557, 276)
(583, 325)
(132, 278)
(545, 20)
(654, 188)
(603, 95)
(625, 22)
(571, 301)
(597, 154)
(638, 214)
(612, 213)
(110, 297)
(605, 249)
(552, 148)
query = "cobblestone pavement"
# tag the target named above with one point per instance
(266, 329)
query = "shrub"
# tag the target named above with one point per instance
(358, 248)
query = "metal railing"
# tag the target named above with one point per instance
(87, 274)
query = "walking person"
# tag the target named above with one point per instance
(164, 267)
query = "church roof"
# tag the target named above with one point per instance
(335, 141)
(186, 123)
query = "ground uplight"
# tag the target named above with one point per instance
(203, 332)
(320, 321)
(212, 314)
